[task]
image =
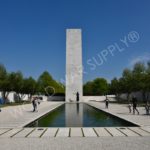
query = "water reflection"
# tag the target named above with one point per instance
(78, 115)
(74, 115)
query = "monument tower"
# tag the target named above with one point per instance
(74, 70)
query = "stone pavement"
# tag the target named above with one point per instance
(76, 143)
(14, 137)
(74, 132)
(122, 111)
(21, 115)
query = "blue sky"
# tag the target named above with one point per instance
(32, 35)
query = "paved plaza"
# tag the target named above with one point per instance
(14, 137)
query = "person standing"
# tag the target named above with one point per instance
(1, 102)
(35, 103)
(134, 103)
(130, 107)
(77, 96)
(147, 108)
(106, 102)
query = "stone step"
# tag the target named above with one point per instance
(76, 132)
(37, 132)
(63, 132)
(50, 132)
(2, 131)
(24, 133)
(127, 132)
(139, 131)
(146, 129)
(12, 132)
(89, 132)
(114, 131)
(102, 132)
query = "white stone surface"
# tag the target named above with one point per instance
(114, 132)
(36, 133)
(139, 131)
(63, 132)
(3, 131)
(21, 115)
(10, 133)
(127, 132)
(89, 132)
(146, 128)
(50, 132)
(76, 132)
(24, 133)
(101, 132)
(74, 71)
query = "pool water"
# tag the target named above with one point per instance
(79, 115)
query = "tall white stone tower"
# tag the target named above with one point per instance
(74, 70)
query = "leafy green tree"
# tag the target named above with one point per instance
(115, 87)
(4, 83)
(48, 86)
(87, 88)
(99, 86)
(30, 87)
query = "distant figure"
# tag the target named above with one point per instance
(134, 103)
(1, 102)
(106, 102)
(77, 96)
(147, 108)
(35, 103)
(130, 106)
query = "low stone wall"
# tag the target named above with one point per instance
(56, 98)
(138, 95)
(98, 98)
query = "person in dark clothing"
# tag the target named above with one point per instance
(134, 103)
(106, 102)
(77, 96)
(34, 104)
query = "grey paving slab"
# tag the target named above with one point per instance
(23, 133)
(10, 133)
(76, 143)
(102, 132)
(50, 132)
(114, 131)
(63, 132)
(89, 132)
(3, 131)
(36, 133)
(139, 131)
(21, 115)
(146, 128)
(127, 132)
(122, 111)
(76, 132)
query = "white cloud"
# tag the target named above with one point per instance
(142, 58)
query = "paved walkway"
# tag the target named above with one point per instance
(14, 137)
(122, 111)
(74, 132)
(19, 116)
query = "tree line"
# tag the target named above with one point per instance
(15, 81)
(136, 79)
(133, 80)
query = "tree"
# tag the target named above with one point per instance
(87, 88)
(4, 83)
(99, 86)
(30, 87)
(114, 87)
(48, 86)
(139, 76)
